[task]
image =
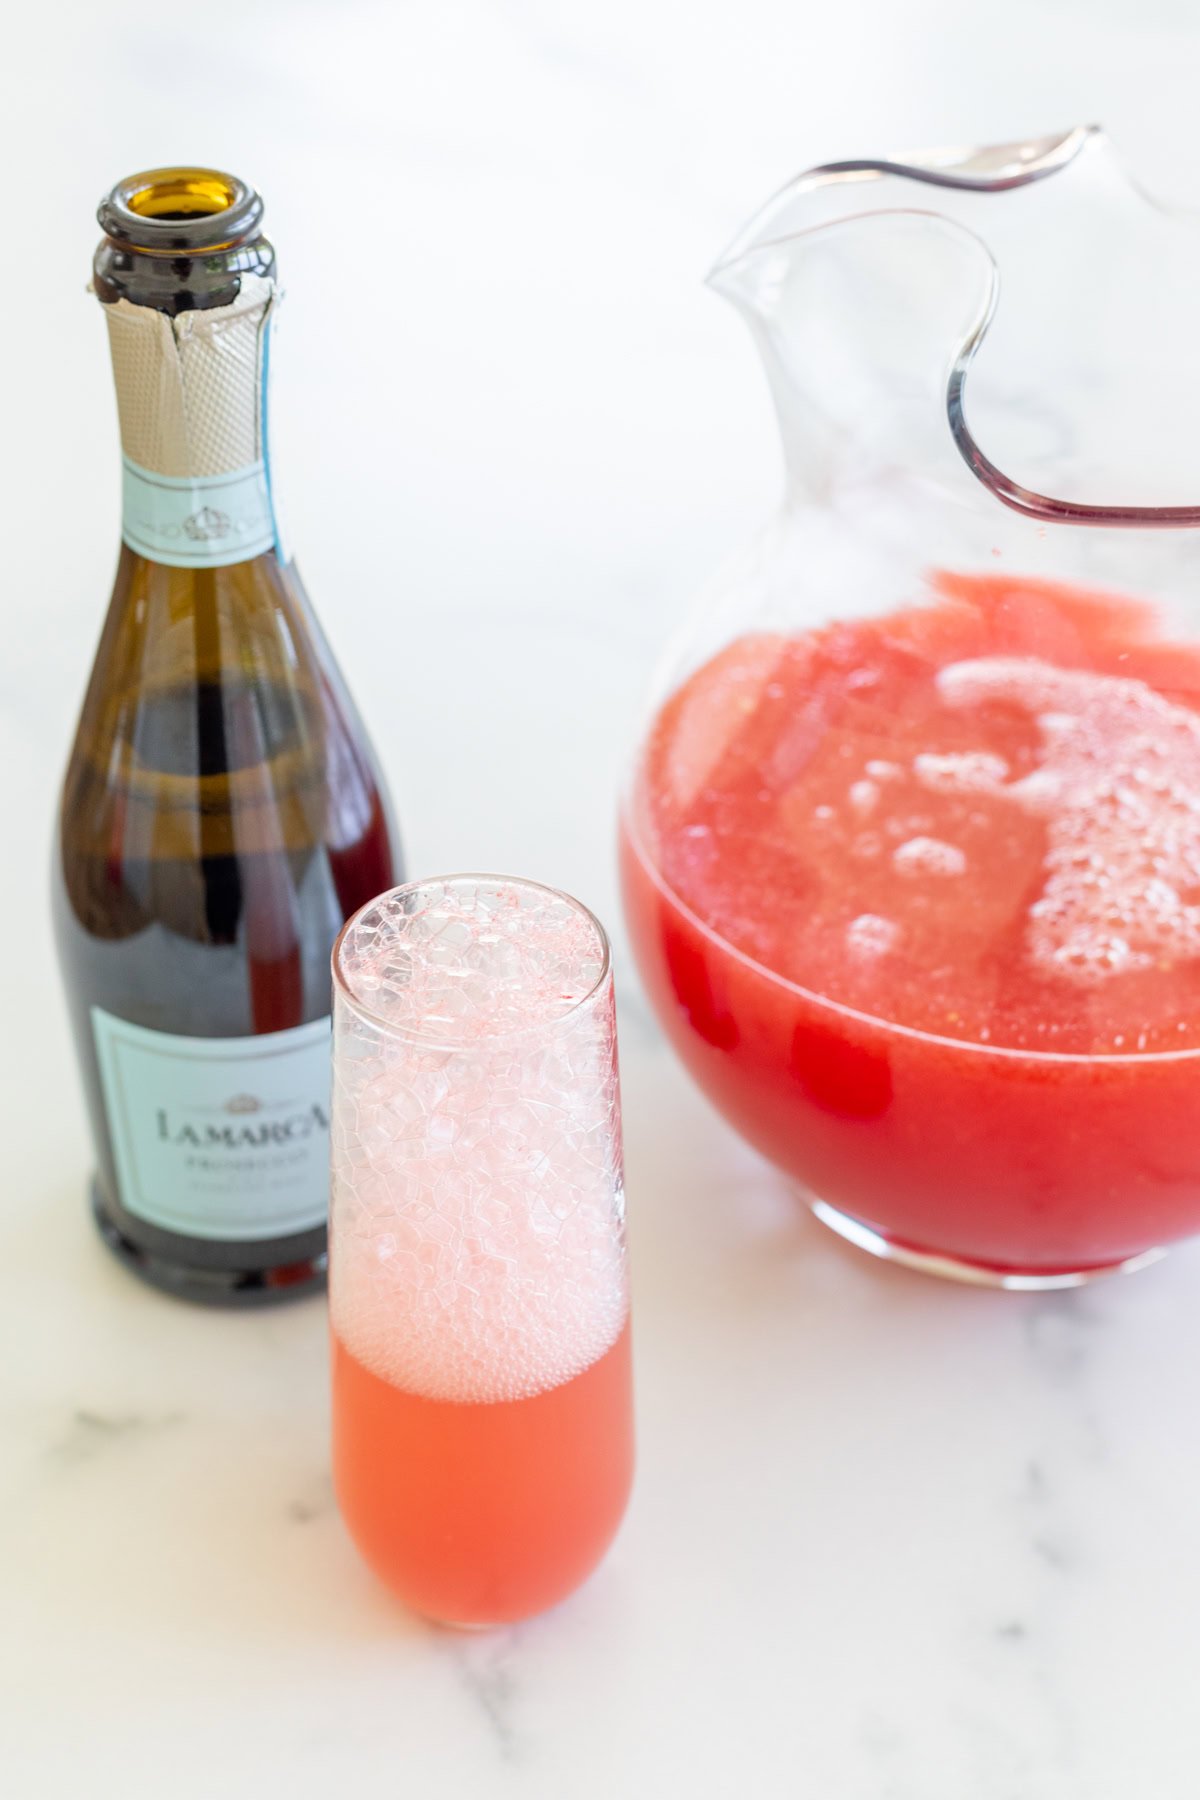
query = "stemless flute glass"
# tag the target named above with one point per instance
(482, 1396)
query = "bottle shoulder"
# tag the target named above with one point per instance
(215, 722)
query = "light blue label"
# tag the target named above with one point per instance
(218, 1137)
(197, 521)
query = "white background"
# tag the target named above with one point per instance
(890, 1541)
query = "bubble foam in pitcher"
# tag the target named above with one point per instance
(1118, 786)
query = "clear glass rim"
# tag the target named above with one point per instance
(537, 1028)
(1011, 1053)
(982, 169)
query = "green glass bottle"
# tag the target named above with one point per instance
(221, 813)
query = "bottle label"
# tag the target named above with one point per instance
(223, 1138)
(197, 521)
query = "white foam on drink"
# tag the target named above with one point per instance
(1118, 787)
(478, 1231)
(468, 959)
(965, 772)
(870, 935)
(864, 797)
(921, 856)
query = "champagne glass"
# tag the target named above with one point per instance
(482, 1402)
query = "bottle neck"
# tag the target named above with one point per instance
(192, 400)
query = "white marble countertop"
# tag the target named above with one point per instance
(890, 1540)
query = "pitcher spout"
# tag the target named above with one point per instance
(870, 287)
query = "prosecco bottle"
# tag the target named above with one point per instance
(221, 813)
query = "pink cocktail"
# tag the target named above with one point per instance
(918, 898)
(479, 1301)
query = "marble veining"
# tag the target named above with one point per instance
(90, 1434)
(486, 1668)
(317, 1502)
(889, 1540)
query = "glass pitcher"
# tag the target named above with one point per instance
(911, 845)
